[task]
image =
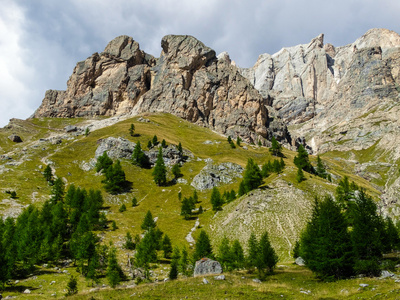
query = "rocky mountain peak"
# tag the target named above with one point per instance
(187, 80)
(381, 37)
(186, 51)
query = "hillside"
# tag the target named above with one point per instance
(281, 205)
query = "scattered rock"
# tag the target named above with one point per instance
(27, 291)
(15, 138)
(52, 282)
(213, 175)
(300, 261)
(143, 120)
(205, 281)
(166, 279)
(363, 285)
(206, 266)
(220, 277)
(256, 280)
(70, 128)
(386, 274)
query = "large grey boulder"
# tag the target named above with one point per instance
(214, 175)
(206, 266)
(115, 147)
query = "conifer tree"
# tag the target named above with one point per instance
(163, 143)
(173, 273)
(184, 262)
(122, 208)
(132, 130)
(149, 145)
(300, 175)
(134, 202)
(129, 244)
(392, 238)
(146, 250)
(216, 199)
(103, 162)
(186, 208)
(203, 247)
(58, 191)
(176, 171)
(321, 172)
(114, 272)
(366, 235)
(277, 166)
(267, 258)
(160, 171)
(139, 158)
(282, 164)
(276, 148)
(148, 221)
(325, 245)
(72, 286)
(48, 175)
(229, 139)
(155, 140)
(242, 189)
(252, 177)
(166, 246)
(225, 254)
(115, 181)
(302, 161)
(253, 249)
(238, 140)
(237, 255)
(180, 149)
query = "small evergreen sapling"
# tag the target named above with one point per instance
(276, 148)
(134, 202)
(72, 286)
(122, 208)
(132, 130)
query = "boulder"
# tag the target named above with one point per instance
(206, 266)
(214, 175)
(116, 148)
(220, 277)
(300, 261)
(70, 128)
(386, 274)
(15, 138)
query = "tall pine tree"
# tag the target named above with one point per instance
(160, 171)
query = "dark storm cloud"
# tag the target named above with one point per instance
(41, 41)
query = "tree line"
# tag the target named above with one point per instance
(347, 236)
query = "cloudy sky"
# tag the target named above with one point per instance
(42, 40)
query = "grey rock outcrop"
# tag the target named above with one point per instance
(15, 138)
(115, 147)
(214, 175)
(188, 80)
(207, 266)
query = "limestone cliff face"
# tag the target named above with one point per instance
(341, 98)
(187, 80)
(322, 91)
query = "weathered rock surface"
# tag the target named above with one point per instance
(339, 98)
(188, 80)
(214, 175)
(15, 138)
(207, 266)
(300, 261)
(116, 148)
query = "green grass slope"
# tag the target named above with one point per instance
(280, 206)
